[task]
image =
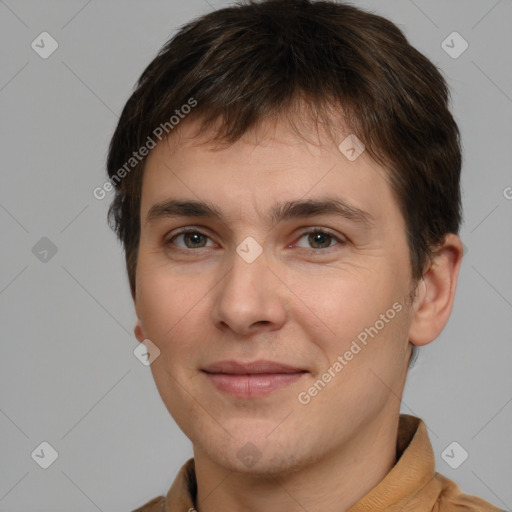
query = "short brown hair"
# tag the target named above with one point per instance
(244, 63)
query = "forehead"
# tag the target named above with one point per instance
(267, 166)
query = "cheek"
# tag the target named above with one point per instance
(169, 307)
(358, 315)
(343, 301)
(172, 313)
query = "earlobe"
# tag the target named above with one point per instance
(138, 331)
(435, 293)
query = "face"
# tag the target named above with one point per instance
(282, 322)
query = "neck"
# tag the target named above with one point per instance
(332, 483)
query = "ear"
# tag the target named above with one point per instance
(139, 331)
(436, 292)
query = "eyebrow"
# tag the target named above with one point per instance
(283, 211)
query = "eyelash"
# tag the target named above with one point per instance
(304, 233)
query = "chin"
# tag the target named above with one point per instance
(257, 465)
(258, 455)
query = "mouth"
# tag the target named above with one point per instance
(251, 380)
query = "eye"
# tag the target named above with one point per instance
(190, 239)
(315, 238)
(319, 239)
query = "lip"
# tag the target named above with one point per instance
(253, 379)
(255, 367)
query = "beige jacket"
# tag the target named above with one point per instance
(412, 485)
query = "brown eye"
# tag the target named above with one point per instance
(189, 240)
(319, 239)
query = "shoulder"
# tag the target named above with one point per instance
(452, 499)
(154, 505)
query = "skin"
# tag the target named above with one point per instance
(301, 302)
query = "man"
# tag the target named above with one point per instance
(287, 193)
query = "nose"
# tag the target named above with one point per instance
(249, 298)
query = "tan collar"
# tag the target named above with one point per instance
(413, 471)
(412, 485)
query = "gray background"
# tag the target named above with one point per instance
(68, 373)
